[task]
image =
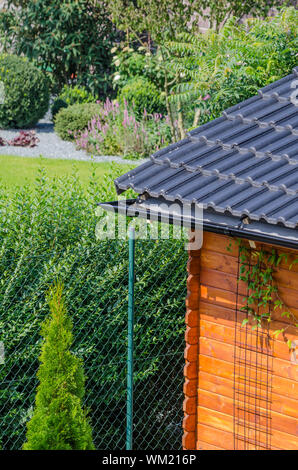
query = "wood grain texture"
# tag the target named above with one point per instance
(217, 303)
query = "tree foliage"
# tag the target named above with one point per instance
(172, 28)
(164, 19)
(70, 38)
(160, 19)
(217, 12)
(59, 421)
(217, 70)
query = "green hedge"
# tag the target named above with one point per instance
(48, 233)
(26, 92)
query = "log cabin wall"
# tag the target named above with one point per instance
(210, 371)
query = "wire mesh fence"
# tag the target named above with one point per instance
(95, 281)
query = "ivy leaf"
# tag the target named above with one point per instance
(286, 314)
(276, 333)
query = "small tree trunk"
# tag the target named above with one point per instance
(196, 118)
(168, 105)
(180, 122)
(170, 114)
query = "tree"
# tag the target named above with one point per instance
(161, 19)
(70, 38)
(59, 422)
(156, 23)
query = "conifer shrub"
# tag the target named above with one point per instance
(59, 421)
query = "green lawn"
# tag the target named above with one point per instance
(17, 171)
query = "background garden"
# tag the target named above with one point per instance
(119, 80)
(127, 81)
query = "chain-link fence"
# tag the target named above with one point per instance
(96, 288)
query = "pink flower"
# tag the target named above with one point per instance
(206, 97)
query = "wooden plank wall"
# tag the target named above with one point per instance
(218, 281)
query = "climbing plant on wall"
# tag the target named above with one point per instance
(257, 268)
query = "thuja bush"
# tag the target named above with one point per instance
(47, 231)
(59, 421)
(26, 92)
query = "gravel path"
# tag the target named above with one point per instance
(51, 146)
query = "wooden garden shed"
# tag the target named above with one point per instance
(240, 375)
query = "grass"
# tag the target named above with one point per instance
(17, 171)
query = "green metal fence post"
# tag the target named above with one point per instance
(129, 409)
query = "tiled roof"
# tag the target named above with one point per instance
(244, 163)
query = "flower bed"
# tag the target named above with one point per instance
(117, 131)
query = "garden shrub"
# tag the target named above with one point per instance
(71, 95)
(74, 118)
(59, 421)
(130, 64)
(76, 94)
(61, 244)
(57, 105)
(142, 95)
(26, 92)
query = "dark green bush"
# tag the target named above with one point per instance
(142, 95)
(74, 118)
(26, 93)
(59, 421)
(57, 105)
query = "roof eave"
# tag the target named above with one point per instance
(212, 222)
